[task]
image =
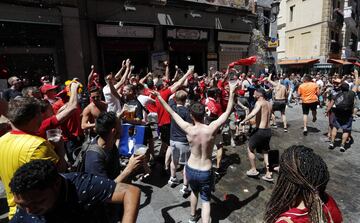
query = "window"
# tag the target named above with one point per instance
(292, 13)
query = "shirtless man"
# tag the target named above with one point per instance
(260, 139)
(279, 103)
(93, 110)
(201, 139)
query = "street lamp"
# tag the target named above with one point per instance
(275, 8)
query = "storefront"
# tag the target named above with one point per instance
(117, 43)
(232, 47)
(187, 47)
(302, 66)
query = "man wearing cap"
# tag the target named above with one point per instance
(49, 92)
(14, 90)
(259, 141)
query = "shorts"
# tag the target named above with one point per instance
(200, 182)
(279, 105)
(260, 140)
(343, 123)
(165, 133)
(306, 107)
(180, 151)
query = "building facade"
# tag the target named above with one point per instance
(65, 38)
(314, 34)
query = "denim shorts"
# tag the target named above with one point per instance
(200, 182)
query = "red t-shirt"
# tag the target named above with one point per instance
(224, 99)
(214, 107)
(72, 127)
(57, 105)
(163, 115)
(49, 123)
(301, 215)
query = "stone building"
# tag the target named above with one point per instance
(314, 34)
(64, 37)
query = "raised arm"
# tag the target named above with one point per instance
(91, 74)
(180, 82)
(143, 80)
(122, 69)
(184, 125)
(218, 122)
(167, 72)
(126, 74)
(71, 106)
(113, 91)
(272, 82)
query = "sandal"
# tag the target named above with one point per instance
(252, 173)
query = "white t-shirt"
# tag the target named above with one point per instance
(320, 83)
(144, 100)
(113, 104)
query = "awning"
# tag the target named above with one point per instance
(338, 61)
(298, 62)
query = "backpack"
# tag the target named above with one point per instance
(344, 101)
(80, 152)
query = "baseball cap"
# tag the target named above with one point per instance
(46, 87)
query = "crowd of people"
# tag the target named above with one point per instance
(78, 176)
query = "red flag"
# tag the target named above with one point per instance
(244, 62)
(357, 64)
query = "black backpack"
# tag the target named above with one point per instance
(344, 101)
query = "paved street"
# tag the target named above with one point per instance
(248, 196)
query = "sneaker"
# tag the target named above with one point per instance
(331, 146)
(173, 181)
(342, 148)
(194, 218)
(185, 190)
(305, 132)
(285, 129)
(268, 179)
(252, 173)
(274, 126)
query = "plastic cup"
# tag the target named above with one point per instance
(53, 135)
(140, 150)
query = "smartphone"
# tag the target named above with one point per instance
(191, 67)
(274, 158)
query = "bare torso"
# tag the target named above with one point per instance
(263, 116)
(96, 110)
(280, 92)
(201, 138)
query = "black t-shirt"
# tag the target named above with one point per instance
(81, 199)
(100, 162)
(9, 94)
(176, 133)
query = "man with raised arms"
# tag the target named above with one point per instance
(201, 138)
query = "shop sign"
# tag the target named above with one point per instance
(104, 30)
(187, 34)
(232, 4)
(273, 43)
(233, 48)
(212, 56)
(233, 37)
